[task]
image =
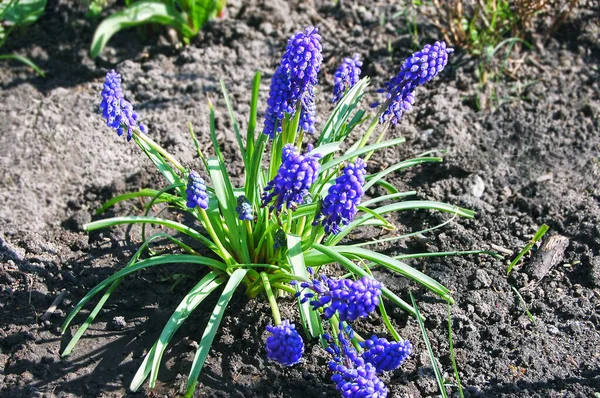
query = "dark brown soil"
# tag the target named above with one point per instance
(532, 160)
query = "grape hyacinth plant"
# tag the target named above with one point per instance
(287, 222)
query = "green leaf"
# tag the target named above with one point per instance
(234, 122)
(184, 229)
(139, 13)
(250, 139)
(372, 179)
(202, 11)
(310, 319)
(24, 12)
(158, 260)
(211, 329)
(436, 369)
(150, 193)
(161, 164)
(538, 235)
(401, 206)
(112, 288)
(24, 60)
(190, 302)
(341, 113)
(363, 150)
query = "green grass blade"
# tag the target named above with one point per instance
(90, 319)
(234, 122)
(165, 197)
(25, 61)
(372, 179)
(161, 164)
(341, 113)
(310, 318)
(453, 357)
(158, 260)
(538, 235)
(250, 134)
(393, 196)
(436, 369)
(401, 206)
(227, 203)
(211, 329)
(189, 303)
(184, 229)
(360, 151)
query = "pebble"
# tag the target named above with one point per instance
(481, 279)
(477, 187)
(117, 323)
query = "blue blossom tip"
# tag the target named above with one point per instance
(421, 67)
(285, 345)
(346, 76)
(196, 191)
(116, 110)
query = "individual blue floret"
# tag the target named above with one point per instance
(244, 208)
(350, 299)
(117, 111)
(285, 345)
(196, 191)
(385, 356)
(346, 76)
(294, 178)
(341, 203)
(294, 79)
(420, 68)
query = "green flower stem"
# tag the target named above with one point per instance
(250, 235)
(379, 139)
(300, 138)
(285, 288)
(159, 149)
(225, 255)
(271, 297)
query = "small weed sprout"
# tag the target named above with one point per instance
(275, 234)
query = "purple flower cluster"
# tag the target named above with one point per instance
(353, 376)
(385, 356)
(293, 80)
(341, 203)
(294, 178)
(244, 208)
(117, 111)
(285, 345)
(196, 191)
(417, 70)
(346, 76)
(350, 299)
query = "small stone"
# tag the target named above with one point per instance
(78, 220)
(481, 279)
(117, 323)
(477, 187)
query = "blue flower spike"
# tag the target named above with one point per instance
(350, 299)
(285, 344)
(116, 110)
(196, 191)
(341, 203)
(346, 76)
(353, 377)
(417, 70)
(295, 176)
(294, 81)
(385, 356)
(244, 209)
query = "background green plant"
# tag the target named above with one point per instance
(17, 14)
(186, 16)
